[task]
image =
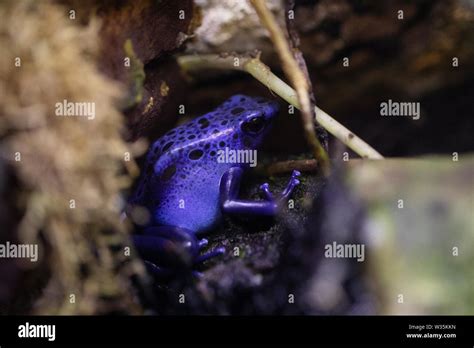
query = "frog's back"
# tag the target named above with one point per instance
(182, 174)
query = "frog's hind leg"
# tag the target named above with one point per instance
(168, 246)
(167, 249)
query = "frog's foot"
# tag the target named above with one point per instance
(229, 189)
(285, 195)
(209, 255)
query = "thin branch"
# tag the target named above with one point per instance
(262, 73)
(304, 165)
(297, 79)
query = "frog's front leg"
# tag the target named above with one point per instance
(167, 249)
(229, 190)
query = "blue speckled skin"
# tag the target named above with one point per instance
(185, 188)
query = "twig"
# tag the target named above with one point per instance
(304, 165)
(297, 79)
(262, 73)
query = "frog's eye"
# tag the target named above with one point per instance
(254, 125)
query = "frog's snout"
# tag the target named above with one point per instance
(271, 110)
(274, 107)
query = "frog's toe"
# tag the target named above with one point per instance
(211, 254)
(285, 195)
(203, 243)
(198, 274)
(295, 173)
(265, 188)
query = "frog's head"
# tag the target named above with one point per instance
(253, 118)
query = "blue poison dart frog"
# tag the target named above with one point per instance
(186, 188)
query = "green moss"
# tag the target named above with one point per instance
(137, 75)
